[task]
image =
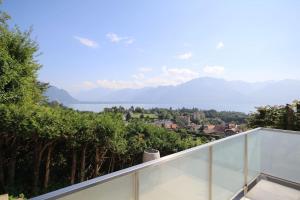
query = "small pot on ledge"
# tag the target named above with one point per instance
(150, 154)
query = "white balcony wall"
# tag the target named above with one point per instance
(228, 168)
(182, 178)
(281, 154)
(118, 189)
(254, 155)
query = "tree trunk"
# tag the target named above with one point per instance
(12, 166)
(47, 167)
(113, 163)
(74, 163)
(82, 164)
(36, 167)
(39, 149)
(97, 161)
(2, 185)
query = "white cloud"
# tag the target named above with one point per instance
(129, 41)
(145, 69)
(179, 75)
(113, 84)
(220, 45)
(167, 76)
(115, 38)
(142, 71)
(87, 42)
(213, 70)
(185, 56)
(88, 85)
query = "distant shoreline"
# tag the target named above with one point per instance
(116, 102)
(100, 106)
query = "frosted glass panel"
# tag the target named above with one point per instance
(183, 178)
(116, 189)
(254, 155)
(281, 155)
(228, 167)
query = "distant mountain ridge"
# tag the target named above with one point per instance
(203, 91)
(62, 96)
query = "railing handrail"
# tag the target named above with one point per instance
(281, 130)
(105, 178)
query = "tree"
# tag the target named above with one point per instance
(128, 116)
(18, 68)
(4, 17)
(108, 130)
(14, 125)
(296, 104)
(45, 129)
(280, 117)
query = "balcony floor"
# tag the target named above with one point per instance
(268, 190)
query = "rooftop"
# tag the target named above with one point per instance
(258, 164)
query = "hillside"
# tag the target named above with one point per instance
(62, 96)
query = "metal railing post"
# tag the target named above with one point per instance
(246, 165)
(136, 185)
(210, 162)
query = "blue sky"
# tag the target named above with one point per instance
(134, 43)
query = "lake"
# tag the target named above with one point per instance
(100, 106)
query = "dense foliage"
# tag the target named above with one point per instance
(51, 146)
(282, 117)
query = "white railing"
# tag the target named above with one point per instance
(214, 171)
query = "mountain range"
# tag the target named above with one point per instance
(202, 92)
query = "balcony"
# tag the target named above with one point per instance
(258, 164)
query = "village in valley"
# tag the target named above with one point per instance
(214, 130)
(210, 124)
